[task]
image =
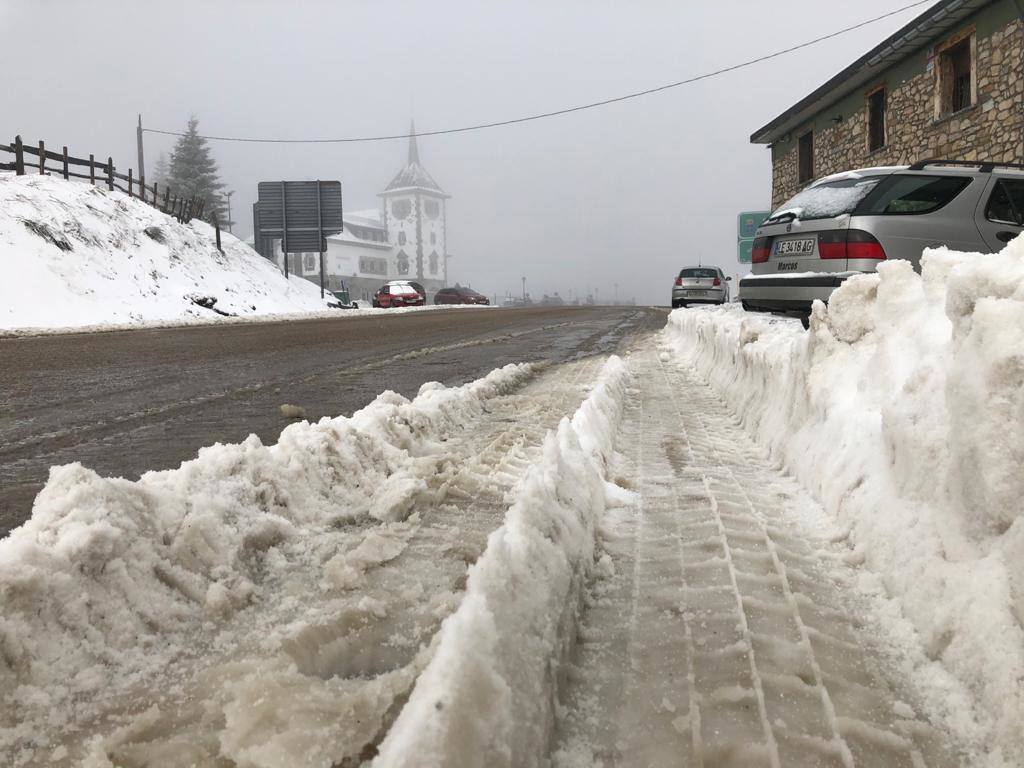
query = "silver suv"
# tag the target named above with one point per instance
(846, 224)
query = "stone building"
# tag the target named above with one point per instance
(950, 85)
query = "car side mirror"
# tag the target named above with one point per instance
(728, 279)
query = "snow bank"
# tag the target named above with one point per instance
(76, 255)
(487, 697)
(902, 409)
(211, 598)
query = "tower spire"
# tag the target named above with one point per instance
(414, 152)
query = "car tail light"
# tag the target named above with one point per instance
(832, 244)
(849, 244)
(863, 245)
(717, 283)
(679, 281)
(762, 248)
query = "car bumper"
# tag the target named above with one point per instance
(790, 293)
(698, 295)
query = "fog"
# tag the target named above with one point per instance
(624, 194)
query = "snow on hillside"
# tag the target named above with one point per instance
(76, 255)
(902, 409)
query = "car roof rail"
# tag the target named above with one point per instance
(985, 166)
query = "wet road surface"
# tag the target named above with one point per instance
(123, 403)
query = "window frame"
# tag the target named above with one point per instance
(889, 181)
(805, 158)
(872, 110)
(945, 83)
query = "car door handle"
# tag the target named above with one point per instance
(1006, 236)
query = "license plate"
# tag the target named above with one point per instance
(800, 247)
(698, 293)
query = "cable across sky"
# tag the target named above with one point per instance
(566, 110)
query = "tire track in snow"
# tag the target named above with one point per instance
(366, 645)
(743, 647)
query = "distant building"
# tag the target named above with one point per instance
(405, 238)
(950, 85)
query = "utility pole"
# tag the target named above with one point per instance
(142, 160)
(524, 289)
(616, 292)
(228, 195)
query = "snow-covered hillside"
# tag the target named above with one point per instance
(75, 255)
(903, 411)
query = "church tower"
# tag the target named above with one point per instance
(414, 207)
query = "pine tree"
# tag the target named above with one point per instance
(161, 172)
(193, 173)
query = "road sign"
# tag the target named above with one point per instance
(746, 227)
(300, 213)
(748, 222)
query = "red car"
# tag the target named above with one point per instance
(459, 295)
(398, 294)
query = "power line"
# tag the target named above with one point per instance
(567, 110)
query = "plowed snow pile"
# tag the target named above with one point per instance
(902, 409)
(75, 255)
(211, 601)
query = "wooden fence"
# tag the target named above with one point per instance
(61, 163)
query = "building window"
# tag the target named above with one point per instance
(401, 209)
(805, 158)
(956, 77)
(309, 262)
(401, 238)
(876, 119)
(433, 262)
(433, 238)
(403, 263)
(432, 209)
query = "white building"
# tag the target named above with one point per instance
(405, 238)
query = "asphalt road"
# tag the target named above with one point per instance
(124, 403)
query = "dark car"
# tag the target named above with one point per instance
(458, 295)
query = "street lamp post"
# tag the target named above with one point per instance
(228, 195)
(524, 289)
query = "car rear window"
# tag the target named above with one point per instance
(699, 272)
(823, 201)
(911, 195)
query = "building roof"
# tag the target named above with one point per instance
(414, 175)
(934, 23)
(347, 238)
(369, 218)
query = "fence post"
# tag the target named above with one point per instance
(129, 182)
(156, 195)
(92, 170)
(167, 200)
(65, 163)
(19, 156)
(110, 174)
(42, 157)
(216, 227)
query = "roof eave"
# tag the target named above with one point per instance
(934, 23)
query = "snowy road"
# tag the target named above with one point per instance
(469, 578)
(729, 634)
(127, 402)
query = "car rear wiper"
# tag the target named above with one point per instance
(784, 216)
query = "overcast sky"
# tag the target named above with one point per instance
(626, 194)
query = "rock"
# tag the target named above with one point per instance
(293, 411)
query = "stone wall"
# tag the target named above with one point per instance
(991, 129)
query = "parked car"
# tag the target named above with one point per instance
(460, 295)
(847, 224)
(700, 285)
(398, 293)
